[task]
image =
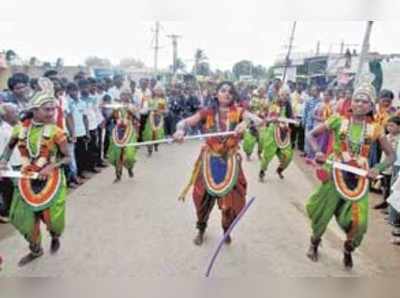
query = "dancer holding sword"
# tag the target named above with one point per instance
(44, 149)
(345, 173)
(218, 175)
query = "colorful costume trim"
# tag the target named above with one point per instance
(220, 174)
(42, 198)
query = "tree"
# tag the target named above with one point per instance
(199, 58)
(33, 61)
(59, 63)
(94, 61)
(203, 69)
(218, 75)
(131, 62)
(241, 68)
(259, 72)
(228, 75)
(10, 55)
(270, 74)
(180, 65)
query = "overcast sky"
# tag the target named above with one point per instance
(227, 31)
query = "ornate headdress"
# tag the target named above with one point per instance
(365, 88)
(45, 95)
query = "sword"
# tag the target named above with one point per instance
(227, 233)
(350, 169)
(116, 106)
(285, 120)
(188, 138)
(17, 174)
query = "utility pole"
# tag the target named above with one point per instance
(174, 39)
(318, 48)
(343, 44)
(289, 51)
(364, 51)
(156, 46)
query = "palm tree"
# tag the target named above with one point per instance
(199, 57)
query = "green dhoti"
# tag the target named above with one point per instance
(352, 217)
(154, 128)
(249, 142)
(120, 156)
(271, 149)
(27, 220)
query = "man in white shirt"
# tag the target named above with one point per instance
(115, 91)
(143, 95)
(8, 118)
(92, 150)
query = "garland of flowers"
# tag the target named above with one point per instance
(279, 111)
(354, 153)
(124, 121)
(349, 149)
(160, 108)
(34, 161)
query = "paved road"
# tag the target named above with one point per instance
(138, 228)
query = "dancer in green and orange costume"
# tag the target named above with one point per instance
(344, 195)
(276, 139)
(254, 135)
(44, 149)
(124, 133)
(154, 127)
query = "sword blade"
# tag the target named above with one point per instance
(16, 174)
(286, 120)
(351, 169)
(188, 138)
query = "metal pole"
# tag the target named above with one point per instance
(364, 51)
(289, 51)
(174, 38)
(156, 47)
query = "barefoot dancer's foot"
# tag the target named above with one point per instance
(55, 245)
(199, 239)
(118, 175)
(228, 239)
(312, 253)
(261, 175)
(279, 171)
(30, 257)
(347, 257)
(347, 260)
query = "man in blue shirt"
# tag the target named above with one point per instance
(308, 116)
(78, 110)
(18, 91)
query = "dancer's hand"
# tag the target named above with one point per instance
(373, 173)
(179, 136)
(46, 171)
(241, 128)
(320, 158)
